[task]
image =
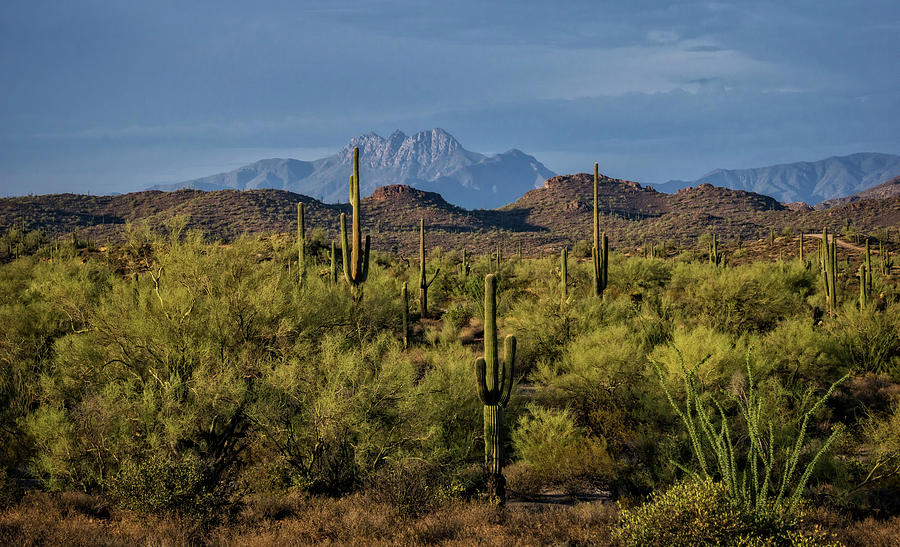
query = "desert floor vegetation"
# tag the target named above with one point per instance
(173, 389)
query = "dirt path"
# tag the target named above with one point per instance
(550, 498)
(844, 244)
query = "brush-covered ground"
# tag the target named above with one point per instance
(171, 390)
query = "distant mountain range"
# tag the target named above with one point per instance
(810, 182)
(887, 189)
(429, 160)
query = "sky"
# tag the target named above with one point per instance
(115, 96)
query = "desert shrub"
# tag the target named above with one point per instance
(701, 512)
(161, 486)
(447, 412)
(640, 274)
(336, 410)
(559, 451)
(795, 351)
(457, 315)
(582, 248)
(722, 354)
(875, 469)
(9, 490)
(865, 340)
(412, 488)
(744, 299)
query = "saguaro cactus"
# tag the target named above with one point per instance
(600, 250)
(801, 246)
(356, 259)
(829, 258)
(494, 383)
(464, 267)
(564, 275)
(405, 299)
(863, 289)
(715, 258)
(301, 239)
(868, 279)
(423, 280)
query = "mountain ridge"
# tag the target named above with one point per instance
(431, 160)
(811, 182)
(558, 213)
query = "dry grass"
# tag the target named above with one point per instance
(78, 519)
(72, 519)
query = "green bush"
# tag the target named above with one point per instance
(866, 340)
(559, 451)
(159, 486)
(701, 513)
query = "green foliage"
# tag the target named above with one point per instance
(159, 486)
(700, 512)
(207, 360)
(866, 340)
(750, 299)
(557, 450)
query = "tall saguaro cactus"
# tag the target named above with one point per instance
(564, 275)
(301, 238)
(405, 299)
(863, 289)
(356, 259)
(494, 382)
(600, 250)
(829, 258)
(423, 279)
(868, 279)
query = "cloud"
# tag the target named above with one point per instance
(662, 36)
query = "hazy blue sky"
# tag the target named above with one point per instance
(118, 95)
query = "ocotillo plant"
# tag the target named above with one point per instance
(356, 259)
(494, 383)
(600, 250)
(301, 239)
(423, 280)
(405, 299)
(564, 275)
